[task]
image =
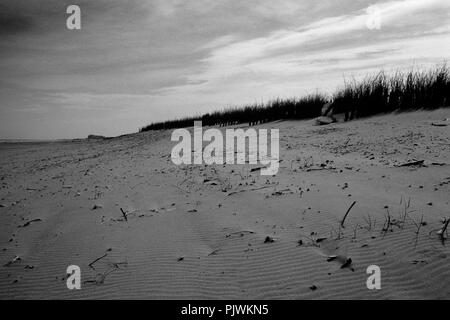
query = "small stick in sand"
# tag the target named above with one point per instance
(387, 224)
(346, 214)
(214, 252)
(443, 230)
(180, 188)
(99, 258)
(124, 214)
(369, 223)
(101, 277)
(245, 190)
(26, 224)
(256, 169)
(16, 258)
(241, 233)
(411, 164)
(418, 226)
(355, 229)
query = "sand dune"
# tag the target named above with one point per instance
(198, 232)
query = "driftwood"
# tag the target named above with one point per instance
(324, 120)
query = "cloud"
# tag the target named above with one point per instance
(344, 39)
(14, 22)
(153, 60)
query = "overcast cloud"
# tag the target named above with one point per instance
(136, 61)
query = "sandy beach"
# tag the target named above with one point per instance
(139, 226)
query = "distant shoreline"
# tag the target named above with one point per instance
(33, 141)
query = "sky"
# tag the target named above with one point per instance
(139, 61)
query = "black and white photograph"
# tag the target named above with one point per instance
(223, 150)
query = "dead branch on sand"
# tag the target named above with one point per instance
(387, 223)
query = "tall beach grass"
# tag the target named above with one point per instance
(375, 94)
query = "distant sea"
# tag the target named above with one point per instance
(32, 140)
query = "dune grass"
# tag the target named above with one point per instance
(375, 94)
(402, 91)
